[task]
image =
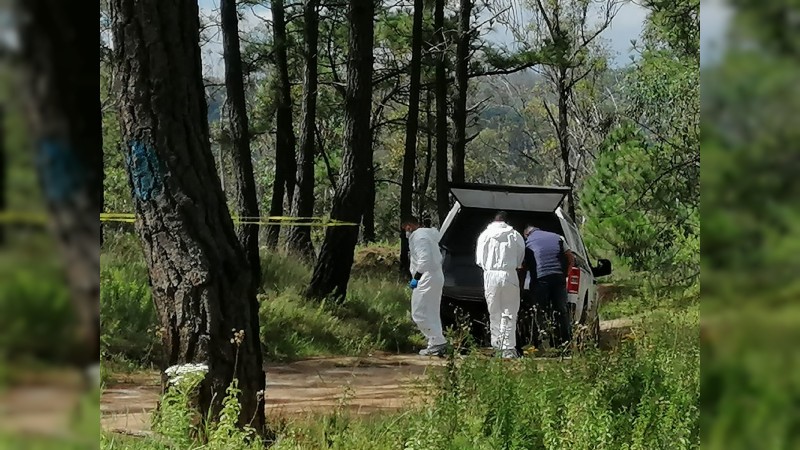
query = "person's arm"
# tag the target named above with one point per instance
(530, 263)
(423, 256)
(520, 247)
(479, 250)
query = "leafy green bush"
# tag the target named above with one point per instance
(374, 316)
(643, 395)
(128, 319)
(35, 313)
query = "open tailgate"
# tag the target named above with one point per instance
(508, 197)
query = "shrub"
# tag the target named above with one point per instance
(128, 320)
(642, 395)
(374, 316)
(35, 313)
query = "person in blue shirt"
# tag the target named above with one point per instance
(549, 260)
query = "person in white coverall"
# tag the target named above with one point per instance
(500, 252)
(426, 284)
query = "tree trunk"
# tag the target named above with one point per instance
(426, 178)
(285, 164)
(299, 240)
(3, 173)
(60, 56)
(563, 138)
(440, 88)
(462, 84)
(222, 143)
(332, 271)
(412, 125)
(201, 281)
(368, 221)
(246, 200)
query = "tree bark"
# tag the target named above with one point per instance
(412, 125)
(368, 221)
(332, 271)
(440, 89)
(285, 164)
(563, 138)
(246, 200)
(60, 53)
(426, 178)
(201, 281)
(462, 84)
(299, 240)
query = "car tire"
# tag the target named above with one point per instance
(457, 316)
(447, 314)
(584, 310)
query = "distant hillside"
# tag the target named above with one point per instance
(215, 96)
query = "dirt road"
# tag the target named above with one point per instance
(365, 385)
(362, 385)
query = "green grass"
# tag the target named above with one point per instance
(36, 316)
(643, 395)
(637, 300)
(751, 370)
(374, 316)
(81, 432)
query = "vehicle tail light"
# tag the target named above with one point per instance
(573, 280)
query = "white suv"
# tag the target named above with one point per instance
(474, 208)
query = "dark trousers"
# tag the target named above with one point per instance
(551, 292)
(530, 311)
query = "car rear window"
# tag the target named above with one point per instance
(461, 236)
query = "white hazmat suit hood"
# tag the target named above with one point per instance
(426, 259)
(500, 251)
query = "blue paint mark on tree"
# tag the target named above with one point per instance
(145, 170)
(61, 172)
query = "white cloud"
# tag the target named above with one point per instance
(715, 19)
(211, 48)
(627, 25)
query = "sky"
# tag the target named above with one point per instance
(627, 25)
(715, 18)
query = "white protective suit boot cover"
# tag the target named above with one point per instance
(502, 300)
(426, 300)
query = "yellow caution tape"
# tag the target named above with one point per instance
(272, 220)
(20, 217)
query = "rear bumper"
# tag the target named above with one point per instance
(472, 294)
(464, 294)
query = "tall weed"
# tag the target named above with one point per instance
(643, 395)
(374, 316)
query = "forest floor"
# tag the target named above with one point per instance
(360, 385)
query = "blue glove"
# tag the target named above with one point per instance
(413, 284)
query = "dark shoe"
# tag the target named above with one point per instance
(509, 354)
(436, 350)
